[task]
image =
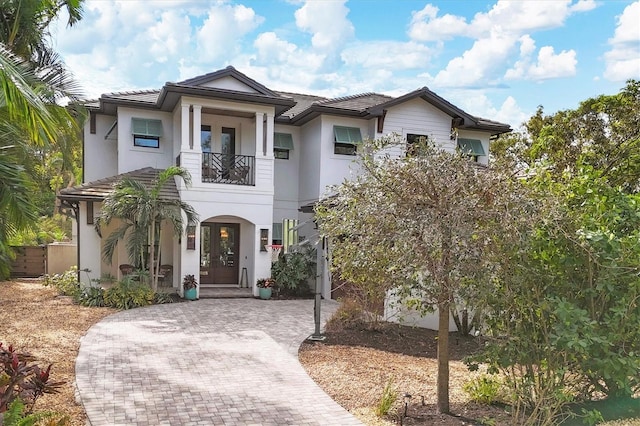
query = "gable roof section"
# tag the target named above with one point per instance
(468, 121)
(228, 72)
(99, 189)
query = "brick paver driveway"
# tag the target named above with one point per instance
(209, 362)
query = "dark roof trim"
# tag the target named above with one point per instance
(316, 110)
(165, 102)
(99, 189)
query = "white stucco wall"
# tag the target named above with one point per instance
(335, 168)
(100, 154)
(132, 157)
(286, 179)
(310, 161)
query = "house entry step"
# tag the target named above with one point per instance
(218, 292)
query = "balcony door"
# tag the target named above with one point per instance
(228, 150)
(219, 253)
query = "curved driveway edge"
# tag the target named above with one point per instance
(209, 362)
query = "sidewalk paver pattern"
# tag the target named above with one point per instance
(208, 362)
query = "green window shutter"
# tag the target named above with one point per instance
(276, 231)
(347, 134)
(283, 141)
(146, 127)
(471, 146)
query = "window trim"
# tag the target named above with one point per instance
(137, 138)
(280, 154)
(146, 129)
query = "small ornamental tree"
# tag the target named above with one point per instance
(422, 224)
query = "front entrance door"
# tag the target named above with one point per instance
(219, 253)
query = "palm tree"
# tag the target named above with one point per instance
(142, 211)
(24, 117)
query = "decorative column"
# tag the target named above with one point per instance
(196, 168)
(184, 127)
(259, 134)
(269, 131)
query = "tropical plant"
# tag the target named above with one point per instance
(189, 282)
(21, 378)
(266, 283)
(292, 270)
(142, 211)
(128, 294)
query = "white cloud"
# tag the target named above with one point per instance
(425, 25)
(220, 33)
(397, 55)
(477, 103)
(327, 22)
(496, 33)
(623, 60)
(477, 63)
(548, 65)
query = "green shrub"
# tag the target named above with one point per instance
(484, 389)
(128, 294)
(292, 270)
(17, 415)
(66, 283)
(386, 401)
(161, 297)
(92, 296)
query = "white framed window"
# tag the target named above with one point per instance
(146, 132)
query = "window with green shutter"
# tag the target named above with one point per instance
(471, 147)
(346, 140)
(146, 132)
(282, 144)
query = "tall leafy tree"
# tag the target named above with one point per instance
(423, 222)
(602, 133)
(142, 214)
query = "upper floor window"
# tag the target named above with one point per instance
(282, 144)
(346, 140)
(413, 142)
(471, 147)
(146, 132)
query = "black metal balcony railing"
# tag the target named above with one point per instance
(226, 168)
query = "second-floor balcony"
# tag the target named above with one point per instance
(228, 168)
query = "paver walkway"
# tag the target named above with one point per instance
(208, 362)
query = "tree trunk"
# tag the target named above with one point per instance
(443, 354)
(152, 250)
(157, 272)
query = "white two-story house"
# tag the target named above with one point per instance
(255, 156)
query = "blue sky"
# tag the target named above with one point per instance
(496, 59)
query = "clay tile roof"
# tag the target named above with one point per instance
(358, 102)
(147, 96)
(302, 102)
(99, 189)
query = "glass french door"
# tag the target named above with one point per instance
(219, 253)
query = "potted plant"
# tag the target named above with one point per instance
(265, 287)
(189, 284)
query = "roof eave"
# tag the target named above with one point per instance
(317, 110)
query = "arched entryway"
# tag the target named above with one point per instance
(226, 247)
